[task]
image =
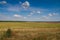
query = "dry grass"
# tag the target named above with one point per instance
(30, 31)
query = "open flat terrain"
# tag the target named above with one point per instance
(31, 30)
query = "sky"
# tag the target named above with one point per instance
(30, 10)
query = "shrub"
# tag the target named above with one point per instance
(8, 33)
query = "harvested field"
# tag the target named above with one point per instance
(27, 31)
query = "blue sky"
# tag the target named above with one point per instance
(30, 10)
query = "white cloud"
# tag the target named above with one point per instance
(16, 15)
(31, 14)
(24, 17)
(3, 2)
(50, 14)
(45, 17)
(38, 12)
(34, 12)
(19, 16)
(26, 4)
(55, 14)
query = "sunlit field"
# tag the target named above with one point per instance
(29, 25)
(30, 30)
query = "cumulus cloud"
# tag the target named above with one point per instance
(55, 14)
(19, 16)
(34, 12)
(50, 14)
(45, 17)
(3, 2)
(31, 13)
(25, 5)
(38, 12)
(24, 17)
(16, 15)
